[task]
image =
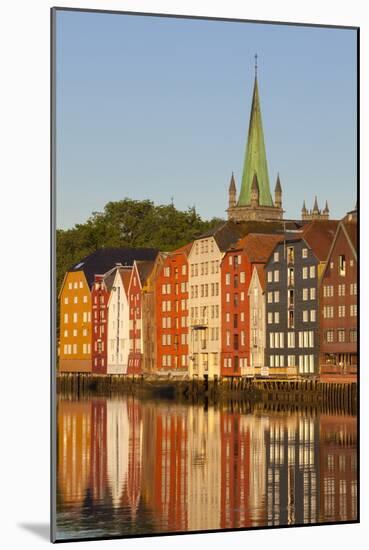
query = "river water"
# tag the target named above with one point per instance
(127, 466)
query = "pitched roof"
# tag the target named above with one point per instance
(232, 184)
(144, 269)
(224, 234)
(278, 187)
(103, 259)
(261, 274)
(258, 246)
(186, 249)
(319, 235)
(255, 157)
(125, 275)
(109, 278)
(352, 230)
(228, 234)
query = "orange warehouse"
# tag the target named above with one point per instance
(75, 336)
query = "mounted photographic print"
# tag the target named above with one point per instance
(205, 275)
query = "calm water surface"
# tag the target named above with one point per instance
(129, 467)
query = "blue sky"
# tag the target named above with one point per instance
(159, 108)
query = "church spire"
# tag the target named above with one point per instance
(255, 156)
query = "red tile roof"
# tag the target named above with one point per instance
(186, 249)
(351, 228)
(258, 246)
(319, 235)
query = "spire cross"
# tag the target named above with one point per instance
(256, 64)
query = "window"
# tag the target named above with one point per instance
(228, 297)
(313, 315)
(305, 293)
(312, 271)
(290, 276)
(271, 340)
(341, 290)
(290, 360)
(276, 316)
(311, 363)
(85, 299)
(304, 272)
(74, 332)
(341, 335)
(291, 319)
(270, 276)
(290, 255)
(75, 300)
(228, 279)
(276, 256)
(312, 293)
(276, 296)
(242, 296)
(254, 337)
(304, 252)
(166, 272)
(75, 285)
(65, 334)
(341, 311)
(80, 284)
(311, 338)
(342, 265)
(66, 318)
(66, 300)
(270, 297)
(329, 334)
(305, 316)
(70, 286)
(353, 310)
(328, 291)
(235, 341)
(353, 335)
(290, 339)
(75, 317)
(270, 317)
(184, 269)
(242, 277)
(328, 312)
(276, 276)
(271, 360)
(306, 339)
(228, 338)
(353, 289)
(230, 261)
(301, 339)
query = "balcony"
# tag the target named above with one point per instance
(199, 323)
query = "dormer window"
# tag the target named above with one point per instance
(342, 265)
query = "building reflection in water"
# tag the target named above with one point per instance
(338, 464)
(142, 467)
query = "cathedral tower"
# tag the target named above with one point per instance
(255, 164)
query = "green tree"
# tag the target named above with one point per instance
(129, 223)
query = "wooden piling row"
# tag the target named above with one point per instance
(334, 395)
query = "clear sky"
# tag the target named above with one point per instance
(158, 108)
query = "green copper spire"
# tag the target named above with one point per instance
(255, 157)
